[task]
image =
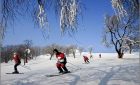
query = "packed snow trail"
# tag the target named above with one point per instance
(108, 70)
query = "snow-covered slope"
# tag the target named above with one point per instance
(108, 70)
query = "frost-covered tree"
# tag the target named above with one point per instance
(1, 38)
(67, 50)
(67, 11)
(132, 41)
(72, 49)
(28, 43)
(80, 50)
(126, 8)
(116, 33)
(90, 50)
(129, 10)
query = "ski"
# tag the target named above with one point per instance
(14, 73)
(53, 75)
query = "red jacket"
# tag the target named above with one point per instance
(85, 58)
(60, 56)
(16, 58)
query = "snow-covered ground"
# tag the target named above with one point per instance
(108, 70)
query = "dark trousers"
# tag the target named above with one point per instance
(15, 67)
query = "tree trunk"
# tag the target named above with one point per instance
(120, 55)
(130, 48)
(74, 54)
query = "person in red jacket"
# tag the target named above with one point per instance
(86, 59)
(61, 63)
(16, 58)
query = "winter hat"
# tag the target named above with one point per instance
(55, 50)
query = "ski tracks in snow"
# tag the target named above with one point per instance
(40, 79)
(125, 73)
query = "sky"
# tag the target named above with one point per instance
(89, 33)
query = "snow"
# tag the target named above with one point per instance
(107, 70)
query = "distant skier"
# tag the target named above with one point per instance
(26, 55)
(99, 55)
(91, 56)
(61, 63)
(86, 60)
(16, 58)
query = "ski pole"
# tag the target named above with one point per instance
(22, 66)
(25, 67)
(74, 68)
(75, 65)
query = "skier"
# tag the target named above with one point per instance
(16, 58)
(86, 60)
(99, 55)
(91, 56)
(27, 55)
(61, 63)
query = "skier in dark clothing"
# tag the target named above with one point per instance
(16, 58)
(99, 55)
(61, 63)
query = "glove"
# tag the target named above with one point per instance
(61, 60)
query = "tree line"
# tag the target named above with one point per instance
(7, 51)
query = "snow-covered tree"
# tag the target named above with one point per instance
(73, 50)
(116, 33)
(126, 8)
(80, 50)
(67, 11)
(132, 42)
(90, 51)
(28, 43)
(129, 10)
